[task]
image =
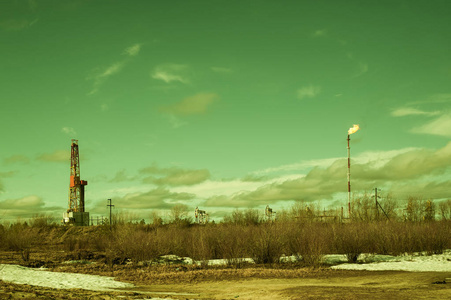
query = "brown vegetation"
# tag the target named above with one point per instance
(243, 235)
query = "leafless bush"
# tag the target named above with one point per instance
(244, 217)
(128, 242)
(308, 241)
(19, 238)
(349, 239)
(42, 221)
(233, 241)
(266, 243)
(445, 210)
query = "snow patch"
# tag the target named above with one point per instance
(412, 263)
(59, 280)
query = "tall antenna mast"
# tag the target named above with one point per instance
(350, 131)
(349, 178)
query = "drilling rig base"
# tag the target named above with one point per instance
(76, 218)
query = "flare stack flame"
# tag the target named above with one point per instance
(353, 129)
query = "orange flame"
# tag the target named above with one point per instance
(353, 129)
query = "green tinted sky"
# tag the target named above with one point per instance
(222, 104)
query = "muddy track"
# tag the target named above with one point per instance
(336, 285)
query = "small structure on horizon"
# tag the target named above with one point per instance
(270, 214)
(201, 216)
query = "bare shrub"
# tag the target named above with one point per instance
(349, 239)
(198, 246)
(233, 243)
(445, 209)
(130, 243)
(435, 237)
(413, 210)
(308, 241)
(266, 244)
(179, 215)
(42, 221)
(19, 238)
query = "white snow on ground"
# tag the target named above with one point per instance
(59, 280)
(412, 263)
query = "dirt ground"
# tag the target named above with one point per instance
(332, 285)
(251, 282)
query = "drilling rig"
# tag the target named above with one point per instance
(76, 214)
(201, 216)
(270, 215)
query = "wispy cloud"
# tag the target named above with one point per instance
(175, 121)
(323, 183)
(5, 175)
(363, 68)
(435, 99)
(408, 111)
(320, 32)
(297, 166)
(439, 126)
(55, 156)
(221, 70)
(194, 105)
(122, 176)
(159, 198)
(104, 107)
(26, 207)
(133, 50)
(103, 74)
(174, 176)
(308, 91)
(69, 131)
(171, 73)
(18, 158)
(16, 24)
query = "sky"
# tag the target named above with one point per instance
(222, 104)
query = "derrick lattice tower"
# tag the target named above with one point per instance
(76, 214)
(76, 186)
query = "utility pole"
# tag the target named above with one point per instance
(110, 205)
(376, 204)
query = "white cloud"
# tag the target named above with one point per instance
(113, 69)
(298, 166)
(171, 73)
(68, 130)
(133, 50)
(18, 158)
(363, 68)
(26, 207)
(221, 70)
(174, 176)
(324, 183)
(308, 91)
(320, 32)
(100, 77)
(197, 104)
(17, 24)
(175, 121)
(440, 126)
(437, 98)
(408, 111)
(56, 156)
